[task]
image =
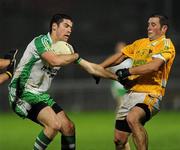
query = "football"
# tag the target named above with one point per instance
(125, 64)
(62, 47)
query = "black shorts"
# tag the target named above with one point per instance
(122, 125)
(36, 108)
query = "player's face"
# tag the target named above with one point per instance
(64, 29)
(154, 28)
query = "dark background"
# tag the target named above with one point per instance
(98, 25)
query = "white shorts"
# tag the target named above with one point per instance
(130, 99)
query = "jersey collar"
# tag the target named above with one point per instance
(155, 42)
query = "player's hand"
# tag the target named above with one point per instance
(96, 78)
(123, 73)
(123, 81)
(78, 57)
(77, 61)
(11, 67)
(11, 54)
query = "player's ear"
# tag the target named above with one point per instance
(54, 26)
(164, 28)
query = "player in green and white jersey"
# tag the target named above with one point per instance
(28, 89)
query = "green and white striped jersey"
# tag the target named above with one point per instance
(33, 73)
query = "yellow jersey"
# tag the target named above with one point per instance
(142, 52)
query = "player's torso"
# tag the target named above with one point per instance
(152, 82)
(144, 50)
(35, 74)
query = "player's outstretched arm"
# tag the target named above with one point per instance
(4, 63)
(9, 57)
(113, 60)
(96, 69)
(9, 62)
(3, 77)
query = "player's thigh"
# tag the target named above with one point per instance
(145, 107)
(147, 102)
(48, 118)
(136, 114)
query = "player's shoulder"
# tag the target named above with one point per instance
(141, 40)
(168, 42)
(43, 41)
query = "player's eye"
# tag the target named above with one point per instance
(153, 24)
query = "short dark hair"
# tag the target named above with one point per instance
(58, 18)
(163, 19)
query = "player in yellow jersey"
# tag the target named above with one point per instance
(152, 59)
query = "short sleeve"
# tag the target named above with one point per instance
(166, 53)
(42, 44)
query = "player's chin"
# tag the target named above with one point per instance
(66, 38)
(150, 36)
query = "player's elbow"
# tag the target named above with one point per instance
(156, 64)
(154, 68)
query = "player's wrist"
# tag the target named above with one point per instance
(9, 74)
(78, 60)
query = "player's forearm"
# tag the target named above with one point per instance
(120, 60)
(67, 59)
(3, 77)
(101, 72)
(147, 68)
(4, 63)
(62, 60)
(96, 70)
(112, 60)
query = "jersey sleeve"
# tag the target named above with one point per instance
(128, 50)
(42, 44)
(167, 52)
